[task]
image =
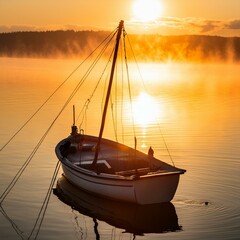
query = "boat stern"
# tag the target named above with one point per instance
(156, 189)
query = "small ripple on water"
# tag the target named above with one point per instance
(204, 218)
(191, 202)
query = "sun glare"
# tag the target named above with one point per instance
(145, 109)
(147, 10)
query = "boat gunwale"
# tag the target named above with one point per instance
(107, 176)
(118, 176)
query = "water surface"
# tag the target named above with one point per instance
(197, 112)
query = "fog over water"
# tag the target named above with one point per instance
(155, 47)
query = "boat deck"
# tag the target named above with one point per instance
(113, 158)
(118, 163)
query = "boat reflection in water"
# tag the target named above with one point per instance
(133, 218)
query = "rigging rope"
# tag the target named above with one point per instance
(129, 86)
(122, 94)
(26, 163)
(135, 60)
(145, 87)
(114, 115)
(166, 146)
(87, 102)
(56, 90)
(41, 214)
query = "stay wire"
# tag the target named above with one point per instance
(165, 143)
(56, 90)
(115, 115)
(160, 130)
(94, 63)
(129, 86)
(122, 93)
(26, 163)
(136, 62)
(87, 102)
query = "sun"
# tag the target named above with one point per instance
(147, 10)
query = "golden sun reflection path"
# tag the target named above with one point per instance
(186, 103)
(146, 110)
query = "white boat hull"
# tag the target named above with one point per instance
(146, 190)
(156, 187)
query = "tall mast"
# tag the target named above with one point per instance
(120, 27)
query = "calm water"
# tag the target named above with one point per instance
(197, 107)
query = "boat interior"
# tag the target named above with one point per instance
(114, 158)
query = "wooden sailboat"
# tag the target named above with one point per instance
(114, 170)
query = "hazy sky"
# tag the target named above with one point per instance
(210, 17)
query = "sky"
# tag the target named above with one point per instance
(165, 17)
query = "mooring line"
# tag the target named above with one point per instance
(14, 225)
(45, 203)
(24, 166)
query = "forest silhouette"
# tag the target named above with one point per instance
(146, 47)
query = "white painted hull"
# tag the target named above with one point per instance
(151, 188)
(145, 190)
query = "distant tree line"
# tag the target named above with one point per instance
(47, 44)
(146, 47)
